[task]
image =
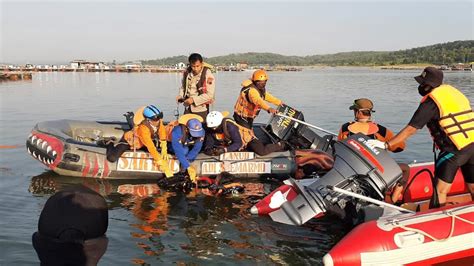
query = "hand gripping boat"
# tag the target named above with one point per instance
(69, 147)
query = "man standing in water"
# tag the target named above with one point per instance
(448, 114)
(197, 87)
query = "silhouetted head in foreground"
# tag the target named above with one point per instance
(71, 228)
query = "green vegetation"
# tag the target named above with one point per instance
(438, 54)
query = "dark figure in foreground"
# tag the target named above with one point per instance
(71, 228)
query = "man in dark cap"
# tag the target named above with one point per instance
(448, 115)
(71, 228)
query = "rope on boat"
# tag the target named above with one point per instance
(453, 219)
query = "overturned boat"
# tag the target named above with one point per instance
(70, 147)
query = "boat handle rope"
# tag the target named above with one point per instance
(448, 213)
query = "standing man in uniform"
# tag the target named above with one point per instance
(448, 115)
(197, 87)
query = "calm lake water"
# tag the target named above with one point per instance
(195, 229)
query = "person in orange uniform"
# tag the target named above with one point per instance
(363, 109)
(363, 124)
(448, 115)
(254, 97)
(151, 128)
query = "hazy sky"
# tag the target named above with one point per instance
(42, 31)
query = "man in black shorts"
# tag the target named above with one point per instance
(449, 117)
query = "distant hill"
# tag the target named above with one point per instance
(438, 54)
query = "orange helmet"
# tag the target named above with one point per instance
(260, 75)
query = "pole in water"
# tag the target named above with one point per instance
(307, 124)
(371, 200)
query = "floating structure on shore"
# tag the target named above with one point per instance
(15, 75)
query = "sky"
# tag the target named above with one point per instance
(49, 31)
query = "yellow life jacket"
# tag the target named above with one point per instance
(244, 107)
(456, 115)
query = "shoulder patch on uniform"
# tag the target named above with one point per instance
(210, 80)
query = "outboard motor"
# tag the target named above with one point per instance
(299, 135)
(357, 168)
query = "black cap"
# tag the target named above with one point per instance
(430, 76)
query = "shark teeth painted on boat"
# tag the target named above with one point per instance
(54, 154)
(38, 142)
(33, 139)
(45, 143)
(28, 149)
(49, 149)
(34, 155)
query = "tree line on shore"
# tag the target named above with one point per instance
(437, 54)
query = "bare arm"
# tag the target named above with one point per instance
(402, 136)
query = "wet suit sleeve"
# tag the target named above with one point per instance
(178, 148)
(272, 99)
(208, 96)
(426, 111)
(343, 132)
(193, 153)
(255, 98)
(235, 136)
(144, 135)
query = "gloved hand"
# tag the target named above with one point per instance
(164, 150)
(192, 173)
(373, 143)
(164, 167)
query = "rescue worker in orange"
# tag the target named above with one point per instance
(254, 97)
(363, 124)
(363, 109)
(448, 115)
(143, 135)
(197, 87)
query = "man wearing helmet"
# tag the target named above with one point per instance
(253, 97)
(197, 87)
(225, 135)
(149, 129)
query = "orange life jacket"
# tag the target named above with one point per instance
(372, 130)
(456, 115)
(244, 107)
(133, 139)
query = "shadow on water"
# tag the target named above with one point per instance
(199, 227)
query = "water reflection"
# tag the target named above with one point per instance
(198, 227)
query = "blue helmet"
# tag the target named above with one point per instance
(152, 113)
(195, 128)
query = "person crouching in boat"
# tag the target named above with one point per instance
(226, 135)
(143, 135)
(363, 124)
(252, 98)
(186, 136)
(448, 115)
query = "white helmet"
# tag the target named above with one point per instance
(214, 119)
